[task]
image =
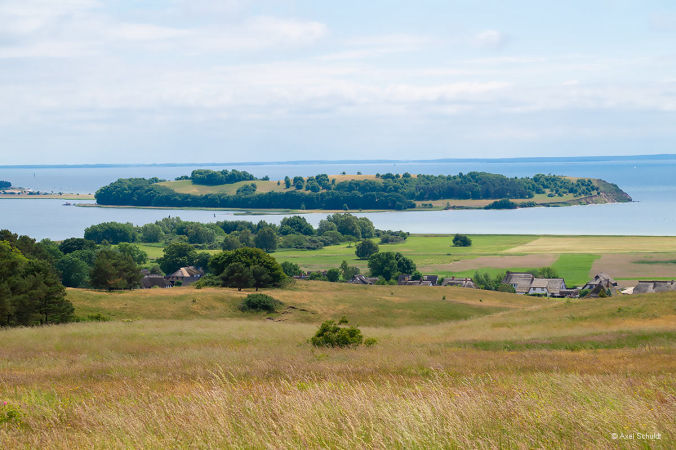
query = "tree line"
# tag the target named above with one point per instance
(386, 191)
(144, 192)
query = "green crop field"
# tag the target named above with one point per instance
(423, 249)
(184, 369)
(575, 268)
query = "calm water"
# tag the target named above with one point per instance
(651, 183)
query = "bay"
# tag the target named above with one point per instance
(651, 181)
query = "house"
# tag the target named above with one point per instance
(361, 279)
(460, 282)
(539, 286)
(425, 280)
(551, 287)
(520, 281)
(650, 287)
(526, 283)
(402, 279)
(569, 293)
(433, 279)
(601, 282)
(150, 281)
(185, 276)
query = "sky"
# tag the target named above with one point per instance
(174, 81)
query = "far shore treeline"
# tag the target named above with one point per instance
(386, 191)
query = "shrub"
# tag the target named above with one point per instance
(291, 269)
(333, 275)
(332, 334)
(502, 204)
(317, 276)
(461, 240)
(504, 287)
(260, 302)
(366, 248)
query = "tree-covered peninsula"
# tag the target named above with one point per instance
(240, 189)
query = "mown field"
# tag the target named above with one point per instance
(477, 369)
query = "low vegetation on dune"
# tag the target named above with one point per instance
(525, 374)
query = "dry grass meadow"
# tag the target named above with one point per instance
(598, 244)
(476, 370)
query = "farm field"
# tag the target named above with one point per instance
(627, 258)
(495, 371)
(575, 258)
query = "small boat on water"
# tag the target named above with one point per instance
(67, 204)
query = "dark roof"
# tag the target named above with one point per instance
(649, 287)
(361, 279)
(433, 278)
(150, 281)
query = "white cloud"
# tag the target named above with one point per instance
(491, 39)
(261, 67)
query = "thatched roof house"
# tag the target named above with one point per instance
(459, 282)
(650, 287)
(185, 275)
(150, 281)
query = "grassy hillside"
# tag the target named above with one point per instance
(516, 372)
(304, 302)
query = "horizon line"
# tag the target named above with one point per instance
(347, 161)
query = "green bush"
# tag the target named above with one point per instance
(208, 281)
(333, 275)
(461, 240)
(332, 334)
(260, 302)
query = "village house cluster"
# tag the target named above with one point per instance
(524, 283)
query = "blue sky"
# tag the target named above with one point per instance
(87, 81)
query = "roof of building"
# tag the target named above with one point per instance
(462, 282)
(361, 279)
(150, 281)
(187, 272)
(433, 278)
(554, 285)
(520, 280)
(648, 287)
(539, 283)
(602, 279)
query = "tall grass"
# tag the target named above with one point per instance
(259, 384)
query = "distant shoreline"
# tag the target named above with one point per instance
(351, 161)
(48, 196)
